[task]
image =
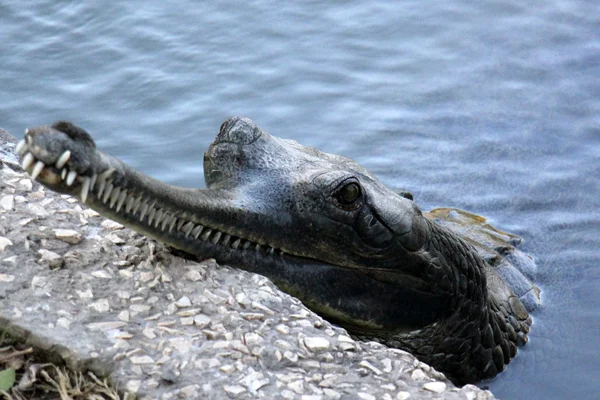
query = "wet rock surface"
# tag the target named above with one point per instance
(104, 298)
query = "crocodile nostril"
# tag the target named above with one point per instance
(239, 130)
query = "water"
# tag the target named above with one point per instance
(493, 107)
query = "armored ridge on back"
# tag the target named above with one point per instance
(321, 228)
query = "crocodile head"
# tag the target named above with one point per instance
(319, 225)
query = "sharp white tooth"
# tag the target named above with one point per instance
(62, 160)
(165, 221)
(180, 223)
(206, 234)
(21, 147)
(281, 253)
(236, 243)
(216, 238)
(101, 187)
(159, 216)
(136, 205)
(37, 169)
(257, 247)
(172, 224)
(197, 231)
(107, 192)
(246, 245)
(270, 250)
(187, 228)
(85, 188)
(71, 177)
(225, 240)
(63, 174)
(27, 161)
(114, 196)
(93, 181)
(121, 200)
(151, 215)
(106, 174)
(144, 211)
(129, 204)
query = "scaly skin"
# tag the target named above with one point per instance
(321, 227)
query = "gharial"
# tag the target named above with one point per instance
(323, 229)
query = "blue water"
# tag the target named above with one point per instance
(489, 106)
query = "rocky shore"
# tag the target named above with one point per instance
(165, 326)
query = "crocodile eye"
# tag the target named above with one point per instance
(349, 193)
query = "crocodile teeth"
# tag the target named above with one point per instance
(129, 204)
(85, 188)
(121, 200)
(165, 221)
(114, 196)
(106, 174)
(144, 211)
(172, 224)
(37, 170)
(206, 234)
(62, 160)
(270, 250)
(93, 181)
(236, 243)
(63, 174)
(187, 228)
(151, 215)
(136, 205)
(197, 231)
(71, 177)
(107, 192)
(27, 161)
(101, 187)
(216, 238)
(158, 216)
(225, 240)
(21, 147)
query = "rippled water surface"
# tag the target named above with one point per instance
(493, 107)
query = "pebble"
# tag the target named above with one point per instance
(49, 255)
(64, 323)
(115, 239)
(6, 278)
(7, 202)
(234, 389)
(366, 396)
(100, 305)
(316, 343)
(68, 235)
(370, 366)
(417, 375)
(142, 360)
(109, 224)
(4, 243)
(436, 387)
(26, 185)
(403, 395)
(38, 281)
(183, 302)
(332, 394)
